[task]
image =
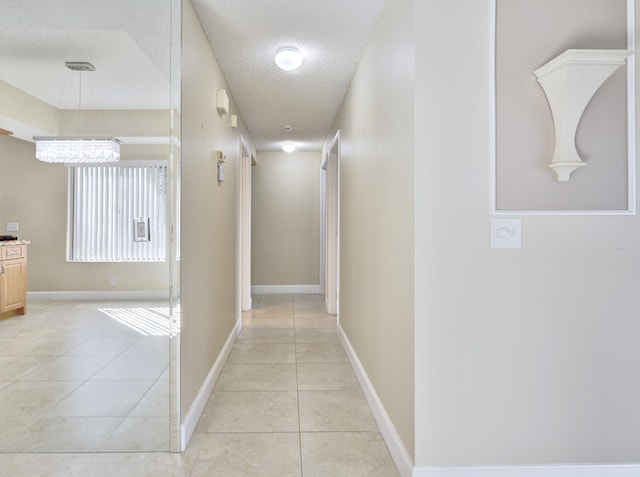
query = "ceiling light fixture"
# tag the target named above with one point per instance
(288, 147)
(288, 58)
(79, 149)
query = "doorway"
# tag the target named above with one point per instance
(245, 228)
(331, 191)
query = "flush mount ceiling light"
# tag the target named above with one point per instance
(288, 58)
(288, 147)
(77, 149)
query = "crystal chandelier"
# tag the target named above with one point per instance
(77, 150)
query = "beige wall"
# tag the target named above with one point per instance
(522, 356)
(376, 226)
(525, 134)
(209, 213)
(34, 194)
(285, 223)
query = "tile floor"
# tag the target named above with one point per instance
(286, 404)
(85, 377)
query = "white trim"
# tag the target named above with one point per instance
(332, 225)
(631, 105)
(631, 128)
(397, 449)
(323, 224)
(98, 295)
(285, 289)
(244, 228)
(623, 470)
(563, 212)
(192, 416)
(125, 163)
(175, 440)
(493, 118)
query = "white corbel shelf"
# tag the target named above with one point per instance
(570, 80)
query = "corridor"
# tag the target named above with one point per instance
(286, 404)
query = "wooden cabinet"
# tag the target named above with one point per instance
(13, 279)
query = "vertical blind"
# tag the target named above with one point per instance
(105, 203)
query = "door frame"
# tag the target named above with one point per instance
(330, 224)
(246, 160)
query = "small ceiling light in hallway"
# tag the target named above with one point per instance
(288, 58)
(288, 147)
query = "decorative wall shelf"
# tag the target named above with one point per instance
(569, 81)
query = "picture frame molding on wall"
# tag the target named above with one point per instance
(496, 208)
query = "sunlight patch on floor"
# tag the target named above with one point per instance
(148, 321)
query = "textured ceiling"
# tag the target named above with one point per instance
(129, 44)
(245, 35)
(129, 51)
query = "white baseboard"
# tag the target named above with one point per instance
(623, 470)
(98, 295)
(398, 451)
(190, 421)
(285, 289)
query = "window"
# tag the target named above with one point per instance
(109, 206)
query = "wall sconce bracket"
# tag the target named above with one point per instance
(569, 81)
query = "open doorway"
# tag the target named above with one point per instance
(331, 223)
(245, 228)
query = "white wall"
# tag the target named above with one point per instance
(522, 356)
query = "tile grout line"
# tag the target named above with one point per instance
(295, 358)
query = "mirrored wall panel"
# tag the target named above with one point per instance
(89, 200)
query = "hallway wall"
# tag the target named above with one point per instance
(523, 356)
(209, 232)
(376, 215)
(285, 204)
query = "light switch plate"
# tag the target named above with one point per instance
(12, 226)
(506, 233)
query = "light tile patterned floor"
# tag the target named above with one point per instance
(85, 377)
(286, 404)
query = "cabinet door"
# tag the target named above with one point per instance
(12, 285)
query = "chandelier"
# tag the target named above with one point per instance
(78, 149)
